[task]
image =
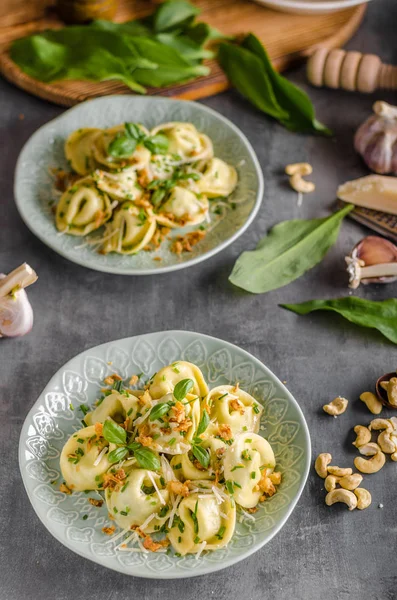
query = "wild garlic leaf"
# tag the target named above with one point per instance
(147, 459)
(182, 388)
(117, 454)
(174, 13)
(251, 72)
(287, 252)
(381, 315)
(202, 455)
(113, 433)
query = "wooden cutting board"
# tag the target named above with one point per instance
(287, 37)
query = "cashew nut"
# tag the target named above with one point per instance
(369, 449)
(370, 465)
(296, 172)
(364, 498)
(394, 456)
(339, 472)
(372, 402)
(387, 442)
(378, 424)
(321, 464)
(337, 406)
(330, 482)
(363, 436)
(393, 422)
(341, 495)
(350, 482)
(392, 391)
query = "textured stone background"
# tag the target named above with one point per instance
(321, 552)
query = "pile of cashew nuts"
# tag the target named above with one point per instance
(341, 484)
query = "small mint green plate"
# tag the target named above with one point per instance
(34, 183)
(51, 421)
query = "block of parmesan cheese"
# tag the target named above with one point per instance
(378, 192)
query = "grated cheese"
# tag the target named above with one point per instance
(117, 536)
(173, 510)
(202, 547)
(100, 456)
(162, 501)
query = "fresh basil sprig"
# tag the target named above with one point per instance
(251, 72)
(159, 410)
(182, 388)
(147, 459)
(118, 454)
(161, 187)
(204, 422)
(287, 252)
(201, 454)
(113, 433)
(366, 313)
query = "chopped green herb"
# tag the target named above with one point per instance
(85, 517)
(237, 467)
(221, 532)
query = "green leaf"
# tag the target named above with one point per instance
(204, 422)
(159, 410)
(173, 13)
(133, 131)
(147, 459)
(122, 146)
(287, 252)
(202, 455)
(251, 72)
(182, 388)
(292, 99)
(157, 144)
(366, 313)
(113, 433)
(158, 196)
(117, 454)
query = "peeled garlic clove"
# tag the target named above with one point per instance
(16, 314)
(376, 139)
(373, 260)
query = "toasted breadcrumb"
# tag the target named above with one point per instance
(95, 502)
(98, 428)
(153, 546)
(236, 405)
(133, 380)
(184, 425)
(109, 530)
(178, 412)
(178, 488)
(225, 432)
(185, 243)
(252, 510)
(266, 486)
(275, 477)
(65, 489)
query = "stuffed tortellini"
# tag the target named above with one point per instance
(120, 185)
(206, 523)
(79, 150)
(183, 207)
(82, 208)
(84, 459)
(130, 230)
(232, 408)
(104, 153)
(218, 178)
(165, 380)
(185, 141)
(116, 406)
(187, 467)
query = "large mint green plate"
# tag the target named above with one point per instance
(33, 181)
(51, 421)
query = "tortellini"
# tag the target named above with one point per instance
(130, 230)
(230, 406)
(244, 462)
(165, 179)
(218, 179)
(79, 150)
(185, 141)
(83, 461)
(173, 460)
(183, 207)
(205, 522)
(82, 208)
(137, 499)
(165, 380)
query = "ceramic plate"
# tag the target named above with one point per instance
(33, 182)
(51, 421)
(311, 7)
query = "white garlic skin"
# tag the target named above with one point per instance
(376, 139)
(16, 314)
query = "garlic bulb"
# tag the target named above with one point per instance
(376, 139)
(373, 260)
(16, 314)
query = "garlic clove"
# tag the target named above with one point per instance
(381, 392)
(376, 139)
(373, 260)
(16, 314)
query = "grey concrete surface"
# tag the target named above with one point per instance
(322, 552)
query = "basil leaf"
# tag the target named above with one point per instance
(173, 13)
(133, 446)
(157, 144)
(114, 433)
(287, 252)
(121, 146)
(182, 388)
(133, 131)
(366, 313)
(147, 459)
(204, 422)
(158, 196)
(202, 455)
(117, 454)
(159, 410)
(251, 72)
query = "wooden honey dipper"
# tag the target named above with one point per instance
(351, 71)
